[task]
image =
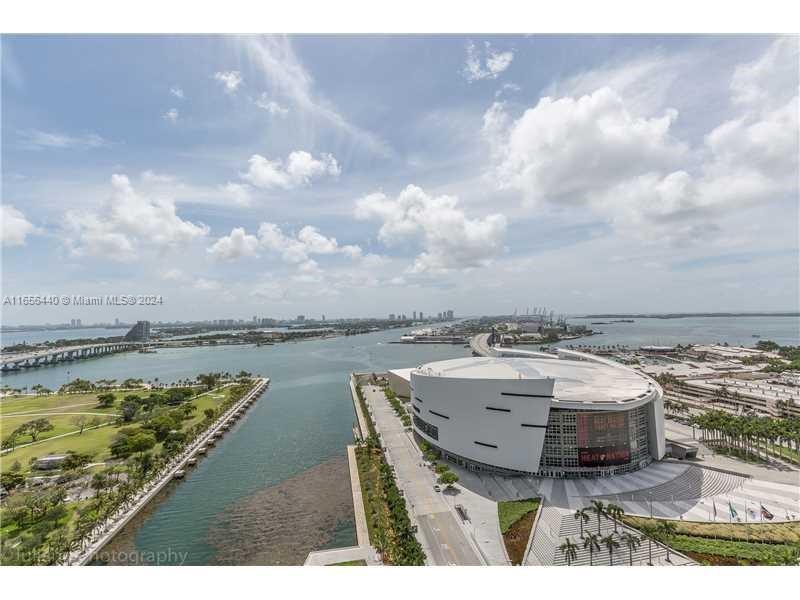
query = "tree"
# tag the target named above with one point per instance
(569, 550)
(35, 428)
(590, 542)
(582, 514)
(599, 509)
(209, 413)
(632, 541)
(611, 544)
(448, 478)
(128, 410)
(11, 441)
(648, 531)
(80, 422)
(666, 530)
(11, 480)
(105, 400)
(141, 442)
(616, 513)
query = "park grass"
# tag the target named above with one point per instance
(61, 424)
(729, 543)
(92, 441)
(512, 511)
(58, 402)
(350, 563)
(769, 533)
(516, 521)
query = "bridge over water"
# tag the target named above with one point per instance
(40, 358)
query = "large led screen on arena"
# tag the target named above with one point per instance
(603, 439)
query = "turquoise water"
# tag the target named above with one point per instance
(306, 417)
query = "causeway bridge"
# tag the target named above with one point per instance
(40, 358)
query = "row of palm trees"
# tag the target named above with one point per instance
(592, 542)
(749, 434)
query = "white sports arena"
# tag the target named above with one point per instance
(567, 416)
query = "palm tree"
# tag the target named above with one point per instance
(591, 543)
(599, 508)
(569, 550)
(649, 532)
(582, 515)
(611, 543)
(616, 513)
(665, 531)
(632, 541)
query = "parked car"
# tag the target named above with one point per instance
(437, 488)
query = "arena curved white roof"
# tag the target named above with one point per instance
(584, 381)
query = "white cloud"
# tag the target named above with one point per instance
(230, 80)
(299, 170)
(127, 220)
(287, 75)
(206, 285)
(487, 64)
(271, 106)
(595, 151)
(238, 244)
(15, 227)
(173, 275)
(567, 149)
(449, 239)
(35, 139)
(769, 81)
(238, 193)
(171, 115)
(177, 92)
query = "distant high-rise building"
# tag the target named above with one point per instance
(301, 318)
(139, 332)
(255, 319)
(450, 315)
(439, 316)
(78, 323)
(391, 316)
(414, 315)
(116, 321)
(72, 322)
(421, 316)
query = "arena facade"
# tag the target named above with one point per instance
(568, 415)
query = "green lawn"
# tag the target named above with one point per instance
(512, 511)
(91, 441)
(350, 563)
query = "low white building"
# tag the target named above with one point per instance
(574, 415)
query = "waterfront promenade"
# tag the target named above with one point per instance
(103, 533)
(444, 540)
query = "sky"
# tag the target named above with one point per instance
(367, 175)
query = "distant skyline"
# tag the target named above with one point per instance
(360, 176)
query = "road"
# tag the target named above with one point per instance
(444, 540)
(480, 344)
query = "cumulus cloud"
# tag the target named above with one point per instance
(15, 227)
(35, 139)
(238, 193)
(294, 249)
(449, 239)
(487, 64)
(128, 220)
(595, 150)
(230, 80)
(299, 169)
(566, 149)
(272, 107)
(171, 115)
(236, 245)
(177, 92)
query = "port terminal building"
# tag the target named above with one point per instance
(570, 415)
